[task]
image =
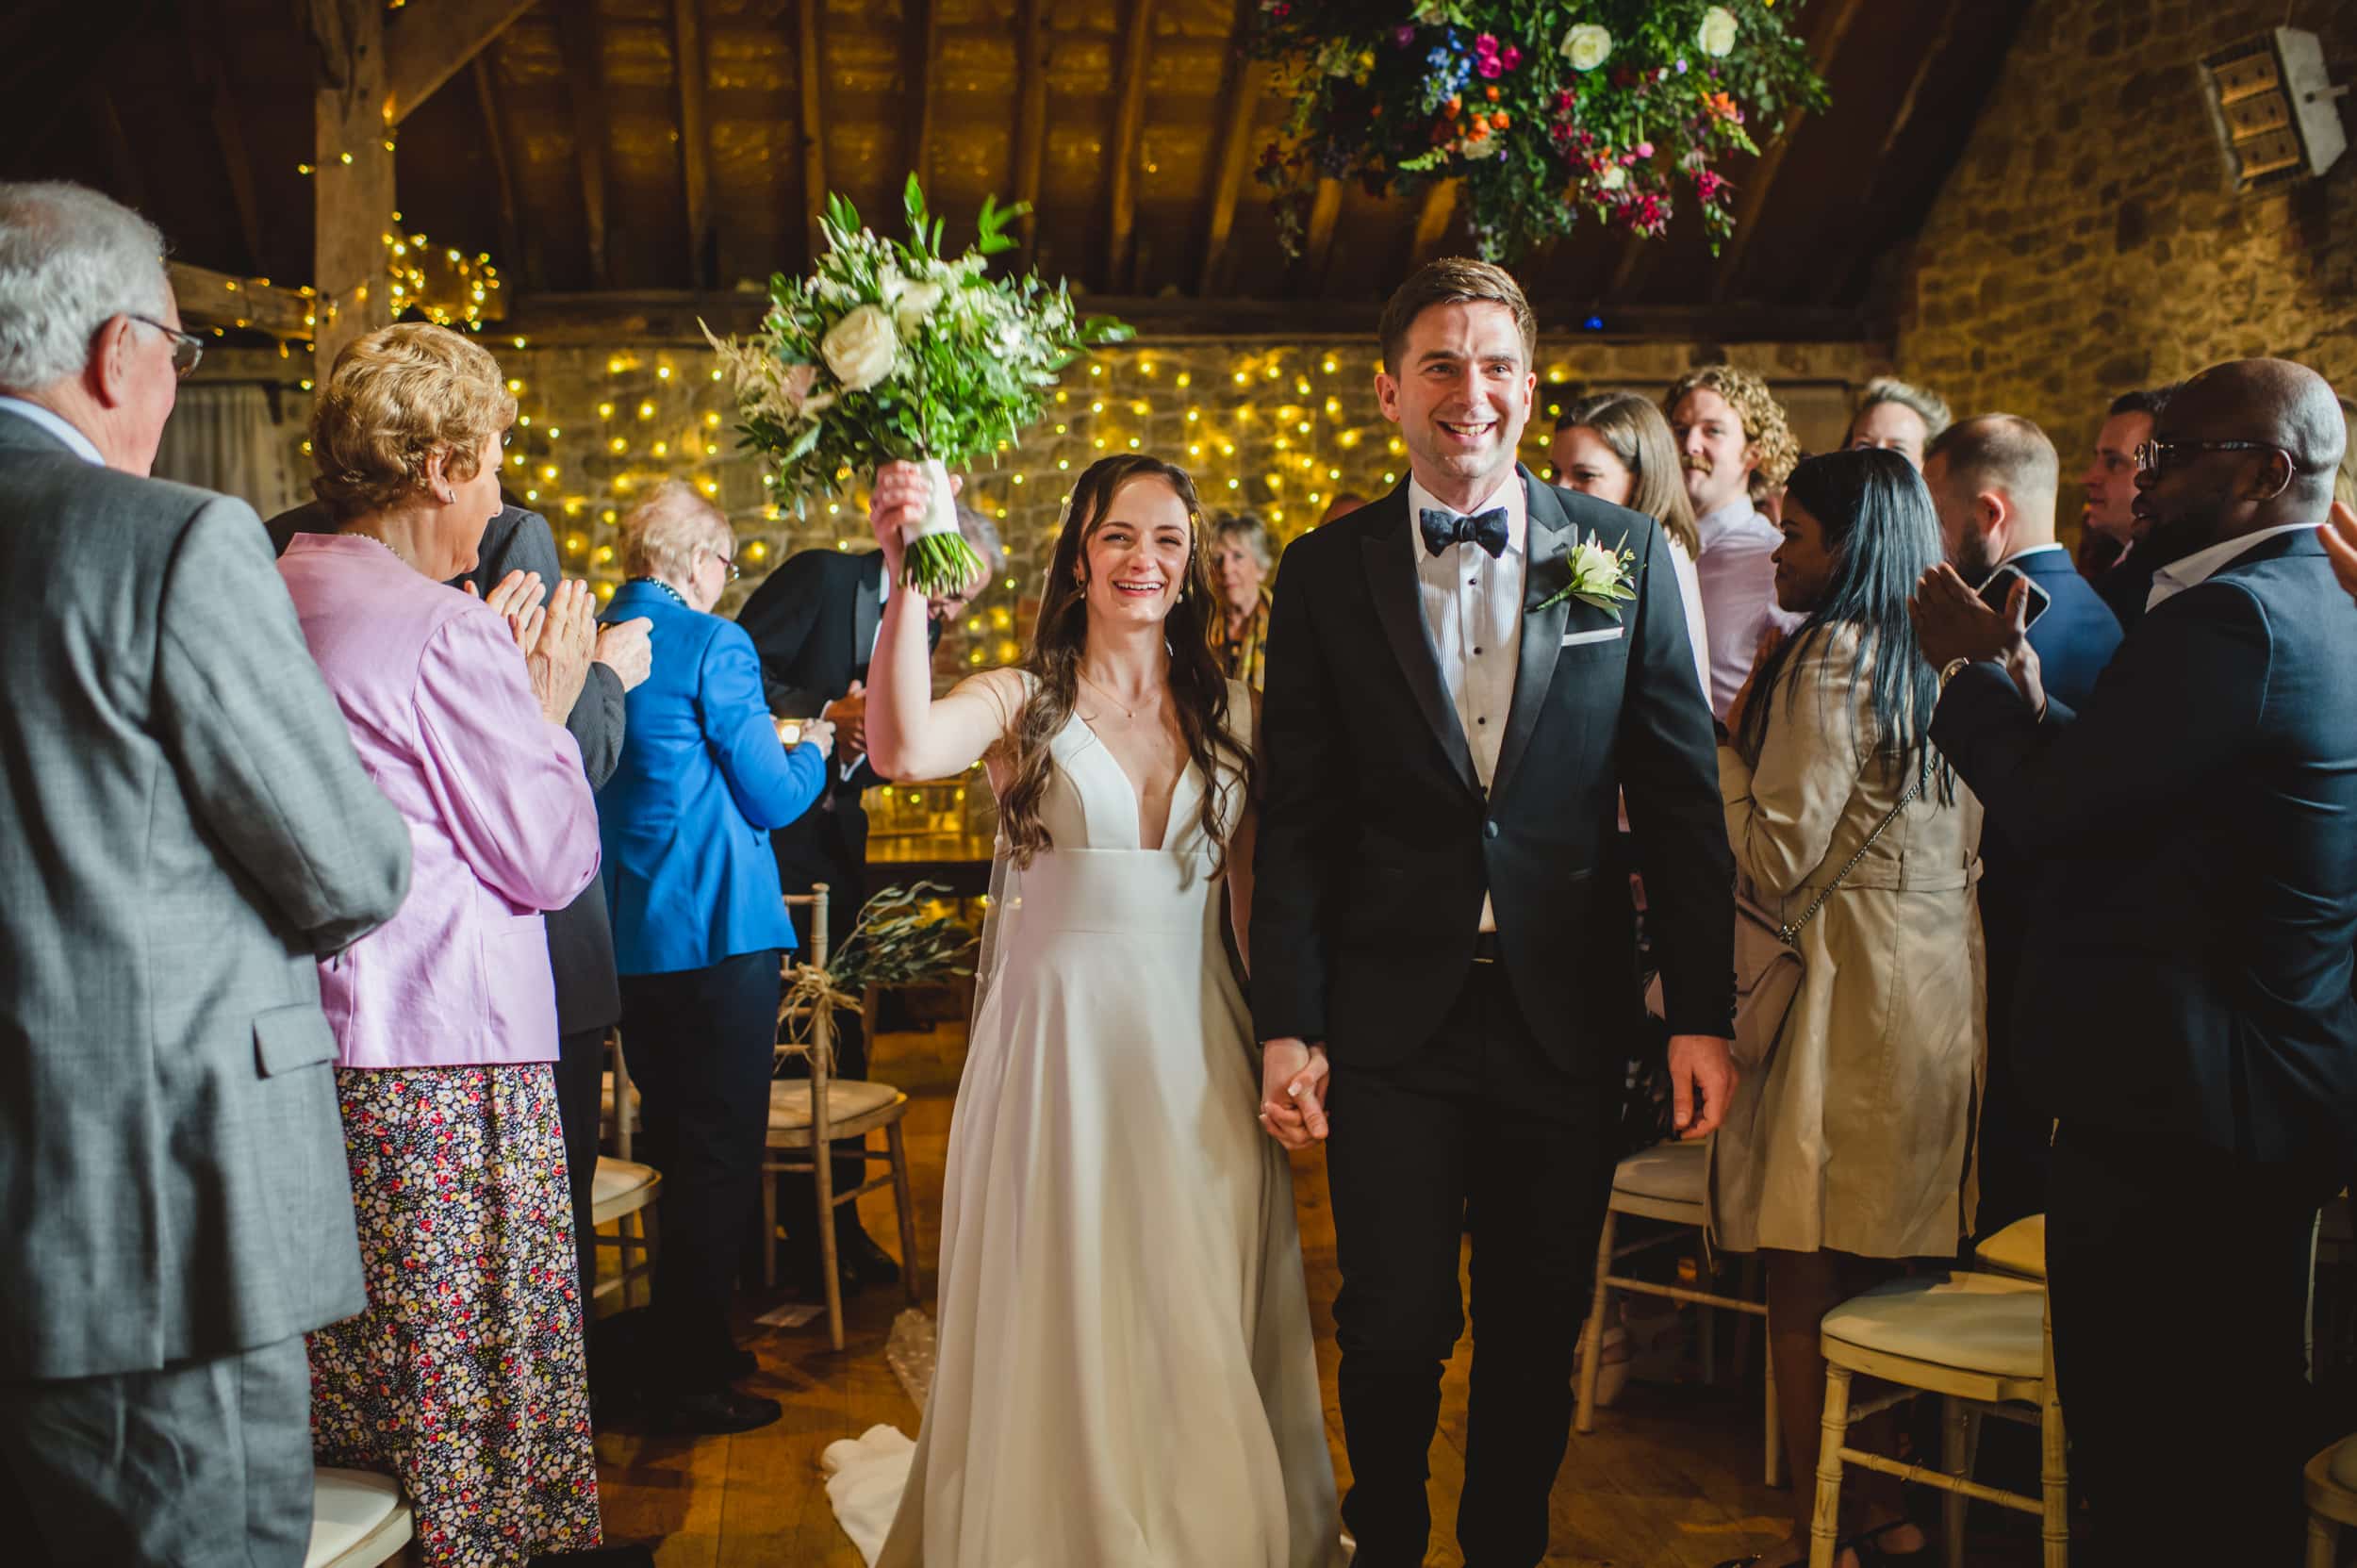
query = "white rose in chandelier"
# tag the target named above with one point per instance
(1587, 46)
(859, 348)
(1717, 34)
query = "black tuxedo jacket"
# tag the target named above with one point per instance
(2188, 946)
(580, 936)
(814, 622)
(1377, 842)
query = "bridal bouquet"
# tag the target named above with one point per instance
(891, 351)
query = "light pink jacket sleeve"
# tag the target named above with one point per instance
(509, 784)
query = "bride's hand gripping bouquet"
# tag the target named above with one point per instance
(889, 352)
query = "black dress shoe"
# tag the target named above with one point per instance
(739, 1363)
(713, 1414)
(861, 1257)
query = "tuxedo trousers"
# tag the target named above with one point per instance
(2184, 1383)
(1476, 1138)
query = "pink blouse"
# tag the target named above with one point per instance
(501, 822)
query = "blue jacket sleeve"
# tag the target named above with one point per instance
(771, 785)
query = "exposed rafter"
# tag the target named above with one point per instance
(1432, 220)
(695, 132)
(1317, 244)
(200, 29)
(814, 126)
(208, 299)
(1246, 81)
(429, 42)
(513, 252)
(920, 47)
(577, 39)
(1030, 116)
(1129, 123)
(1751, 195)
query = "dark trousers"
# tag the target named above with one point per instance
(798, 1196)
(701, 1043)
(2189, 1383)
(580, 1097)
(201, 1462)
(1477, 1132)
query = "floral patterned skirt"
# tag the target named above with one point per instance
(465, 1377)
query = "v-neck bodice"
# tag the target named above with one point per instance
(1095, 805)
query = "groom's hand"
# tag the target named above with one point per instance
(1292, 1091)
(1699, 1069)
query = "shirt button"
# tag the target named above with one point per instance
(1476, 652)
(1482, 720)
(1488, 830)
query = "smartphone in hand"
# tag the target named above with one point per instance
(1999, 588)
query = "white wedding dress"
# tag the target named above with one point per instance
(1125, 1376)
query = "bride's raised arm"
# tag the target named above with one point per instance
(908, 734)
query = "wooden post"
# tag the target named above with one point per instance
(813, 147)
(1129, 123)
(352, 176)
(1031, 117)
(695, 134)
(431, 43)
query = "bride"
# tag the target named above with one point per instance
(1125, 1375)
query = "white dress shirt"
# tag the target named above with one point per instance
(2198, 568)
(58, 425)
(1738, 579)
(1472, 608)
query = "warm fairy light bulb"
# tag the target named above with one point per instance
(605, 410)
(619, 445)
(1185, 378)
(1242, 378)
(645, 410)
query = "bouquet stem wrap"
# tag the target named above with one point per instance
(938, 559)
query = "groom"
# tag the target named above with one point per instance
(1440, 914)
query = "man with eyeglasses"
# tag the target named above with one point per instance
(185, 833)
(2184, 1008)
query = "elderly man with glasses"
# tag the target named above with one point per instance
(2183, 1005)
(185, 832)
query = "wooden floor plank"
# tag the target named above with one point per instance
(1668, 1479)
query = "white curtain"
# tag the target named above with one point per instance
(224, 439)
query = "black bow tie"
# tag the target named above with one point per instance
(1443, 528)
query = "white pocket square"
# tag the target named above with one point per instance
(1572, 639)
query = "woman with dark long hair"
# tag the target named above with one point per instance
(1846, 1152)
(1125, 1374)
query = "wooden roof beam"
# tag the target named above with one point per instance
(1317, 243)
(1031, 117)
(1432, 220)
(432, 41)
(695, 134)
(1245, 81)
(200, 25)
(814, 146)
(577, 39)
(495, 138)
(1751, 197)
(209, 299)
(1129, 124)
(352, 179)
(920, 46)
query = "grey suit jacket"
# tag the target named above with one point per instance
(185, 832)
(581, 935)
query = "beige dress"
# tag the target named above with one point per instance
(1855, 1134)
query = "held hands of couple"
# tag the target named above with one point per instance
(557, 633)
(1951, 623)
(1292, 1091)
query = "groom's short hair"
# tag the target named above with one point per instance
(1453, 280)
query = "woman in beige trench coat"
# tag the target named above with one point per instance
(1847, 1152)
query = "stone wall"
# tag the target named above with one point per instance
(2088, 242)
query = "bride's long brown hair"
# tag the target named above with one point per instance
(1198, 688)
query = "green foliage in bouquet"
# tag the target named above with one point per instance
(896, 943)
(890, 351)
(1548, 110)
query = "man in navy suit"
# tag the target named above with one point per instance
(2184, 1005)
(1992, 480)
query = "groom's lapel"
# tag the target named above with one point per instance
(1388, 554)
(1549, 537)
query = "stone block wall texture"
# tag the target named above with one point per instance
(2088, 242)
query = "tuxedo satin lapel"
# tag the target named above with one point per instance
(1546, 542)
(866, 609)
(1388, 551)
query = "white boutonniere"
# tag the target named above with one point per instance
(1595, 574)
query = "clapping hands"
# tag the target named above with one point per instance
(556, 631)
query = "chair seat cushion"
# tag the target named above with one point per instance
(1673, 1173)
(1974, 1323)
(348, 1509)
(847, 1098)
(2018, 1248)
(615, 1181)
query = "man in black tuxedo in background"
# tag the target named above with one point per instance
(581, 935)
(1446, 736)
(2184, 1004)
(1992, 482)
(814, 622)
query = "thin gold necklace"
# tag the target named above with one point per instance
(1127, 711)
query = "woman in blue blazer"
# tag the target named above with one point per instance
(699, 929)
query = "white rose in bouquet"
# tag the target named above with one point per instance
(918, 301)
(1587, 46)
(1716, 35)
(859, 348)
